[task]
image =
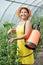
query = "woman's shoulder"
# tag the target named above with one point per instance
(20, 23)
(29, 22)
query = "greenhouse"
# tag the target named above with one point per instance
(9, 19)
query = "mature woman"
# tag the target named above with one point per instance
(23, 13)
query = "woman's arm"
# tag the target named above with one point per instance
(14, 31)
(11, 31)
(28, 28)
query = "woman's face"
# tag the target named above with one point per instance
(24, 14)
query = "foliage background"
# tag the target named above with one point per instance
(8, 51)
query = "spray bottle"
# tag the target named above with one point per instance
(34, 38)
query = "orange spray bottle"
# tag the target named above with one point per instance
(33, 40)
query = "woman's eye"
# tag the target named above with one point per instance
(25, 12)
(21, 12)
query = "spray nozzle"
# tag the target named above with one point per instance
(38, 26)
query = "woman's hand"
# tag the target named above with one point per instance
(11, 40)
(9, 31)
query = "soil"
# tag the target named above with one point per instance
(39, 59)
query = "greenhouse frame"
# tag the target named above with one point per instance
(9, 19)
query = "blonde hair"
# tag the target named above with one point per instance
(28, 10)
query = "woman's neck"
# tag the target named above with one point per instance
(24, 20)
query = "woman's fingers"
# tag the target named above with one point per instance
(9, 31)
(11, 40)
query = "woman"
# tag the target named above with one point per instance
(23, 13)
